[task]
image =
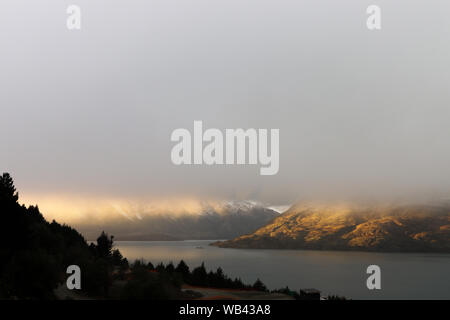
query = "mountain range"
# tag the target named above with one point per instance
(387, 228)
(224, 220)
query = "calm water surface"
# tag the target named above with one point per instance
(404, 275)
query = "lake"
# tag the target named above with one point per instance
(403, 275)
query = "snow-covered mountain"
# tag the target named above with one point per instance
(211, 220)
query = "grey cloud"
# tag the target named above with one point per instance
(359, 112)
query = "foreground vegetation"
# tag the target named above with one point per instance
(34, 253)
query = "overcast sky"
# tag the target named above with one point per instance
(90, 112)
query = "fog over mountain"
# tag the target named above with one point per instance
(172, 220)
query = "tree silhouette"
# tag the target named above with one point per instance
(183, 269)
(104, 245)
(170, 268)
(160, 267)
(199, 275)
(7, 190)
(259, 285)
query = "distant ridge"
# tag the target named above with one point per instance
(147, 237)
(388, 228)
(224, 221)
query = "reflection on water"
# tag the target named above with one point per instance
(403, 275)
